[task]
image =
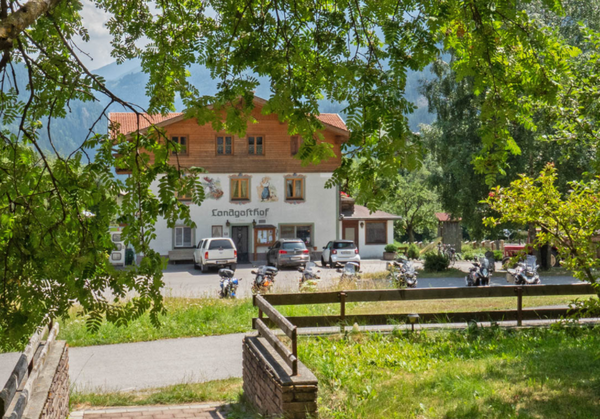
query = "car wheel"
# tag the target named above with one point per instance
(203, 268)
(331, 263)
(323, 262)
(196, 265)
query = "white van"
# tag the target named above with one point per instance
(217, 252)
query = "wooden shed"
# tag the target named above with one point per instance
(449, 229)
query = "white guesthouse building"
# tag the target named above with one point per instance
(257, 191)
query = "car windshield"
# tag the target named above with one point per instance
(293, 245)
(344, 245)
(220, 244)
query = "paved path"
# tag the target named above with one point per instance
(131, 366)
(186, 411)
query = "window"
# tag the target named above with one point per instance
(302, 232)
(296, 142)
(182, 141)
(224, 145)
(344, 245)
(294, 246)
(116, 237)
(115, 256)
(255, 145)
(183, 237)
(376, 232)
(294, 188)
(240, 189)
(220, 244)
(216, 231)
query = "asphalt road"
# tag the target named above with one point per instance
(184, 281)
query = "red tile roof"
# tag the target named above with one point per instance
(128, 121)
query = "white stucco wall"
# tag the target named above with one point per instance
(372, 251)
(319, 209)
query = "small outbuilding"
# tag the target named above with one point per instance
(370, 231)
(450, 230)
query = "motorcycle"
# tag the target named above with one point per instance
(229, 284)
(264, 279)
(350, 273)
(526, 273)
(403, 274)
(479, 274)
(310, 277)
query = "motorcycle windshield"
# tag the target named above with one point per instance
(409, 267)
(310, 266)
(349, 269)
(531, 263)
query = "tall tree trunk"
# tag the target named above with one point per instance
(411, 234)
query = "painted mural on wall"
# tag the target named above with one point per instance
(212, 187)
(266, 190)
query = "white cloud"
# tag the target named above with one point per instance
(98, 47)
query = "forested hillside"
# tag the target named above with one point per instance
(129, 83)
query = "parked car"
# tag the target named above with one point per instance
(288, 252)
(215, 252)
(340, 252)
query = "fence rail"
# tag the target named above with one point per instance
(17, 391)
(275, 318)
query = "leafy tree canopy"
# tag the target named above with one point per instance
(55, 211)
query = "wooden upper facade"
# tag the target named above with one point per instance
(267, 147)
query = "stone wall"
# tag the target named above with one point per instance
(50, 394)
(269, 386)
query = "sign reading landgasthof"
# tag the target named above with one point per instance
(235, 213)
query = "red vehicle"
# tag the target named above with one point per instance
(513, 250)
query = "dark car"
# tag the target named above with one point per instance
(288, 252)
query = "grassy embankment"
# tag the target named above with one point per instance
(546, 373)
(204, 317)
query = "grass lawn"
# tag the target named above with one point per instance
(477, 373)
(214, 391)
(204, 317)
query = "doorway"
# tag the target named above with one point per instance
(350, 231)
(239, 234)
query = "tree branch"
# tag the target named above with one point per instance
(17, 22)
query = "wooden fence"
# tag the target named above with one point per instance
(289, 325)
(18, 389)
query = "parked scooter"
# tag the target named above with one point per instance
(229, 284)
(310, 277)
(526, 273)
(264, 279)
(403, 273)
(479, 274)
(350, 273)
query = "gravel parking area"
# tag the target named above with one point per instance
(183, 280)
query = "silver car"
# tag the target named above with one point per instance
(288, 252)
(338, 252)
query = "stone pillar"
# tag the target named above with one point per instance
(269, 385)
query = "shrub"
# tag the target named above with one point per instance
(469, 255)
(435, 262)
(498, 255)
(413, 251)
(391, 248)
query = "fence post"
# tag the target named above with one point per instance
(342, 311)
(295, 350)
(519, 306)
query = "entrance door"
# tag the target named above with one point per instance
(239, 234)
(350, 231)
